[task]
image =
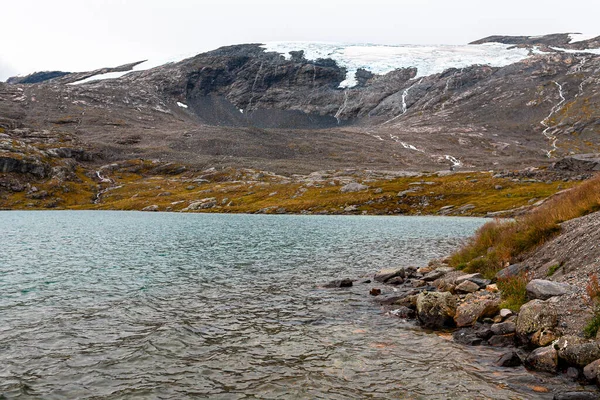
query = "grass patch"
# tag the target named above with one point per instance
(499, 243)
(593, 292)
(552, 269)
(513, 289)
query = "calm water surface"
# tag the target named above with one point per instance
(169, 306)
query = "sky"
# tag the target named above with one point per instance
(81, 35)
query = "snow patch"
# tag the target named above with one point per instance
(570, 51)
(182, 105)
(380, 59)
(580, 37)
(143, 66)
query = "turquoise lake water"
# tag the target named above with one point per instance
(169, 306)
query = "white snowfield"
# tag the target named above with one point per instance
(144, 65)
(580, 37)
(381, 59)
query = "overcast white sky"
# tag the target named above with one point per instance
(79, 35)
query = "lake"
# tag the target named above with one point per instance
(165, 305)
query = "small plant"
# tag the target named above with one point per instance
(593, 292)
(514, 292)
(553, 269)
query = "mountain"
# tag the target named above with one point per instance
(498, 103)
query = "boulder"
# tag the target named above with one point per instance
(503, 328)
(467, 287)
(509, 359)
(203, 204)
(153, 207)
(467, 277)
(534, 316)
(353, 187)
(433, 275)
(397, 280)
(544, 337)
(472, 336)
(543, 359)
(387, 274)
(577, 351)
(436, 309)
(467, 337)
(543, 289)
(476, 306)
(591, 370)
(505, 313)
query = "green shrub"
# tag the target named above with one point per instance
(513, 289)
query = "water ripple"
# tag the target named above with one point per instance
(134, 305)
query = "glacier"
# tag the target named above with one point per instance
(381, 59)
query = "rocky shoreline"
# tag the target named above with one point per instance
(438, 297)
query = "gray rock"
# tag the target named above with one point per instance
(503, 328)
(386, 274)
(467, 337)
(433, 275)
(353, 187)
(509, 359)
(436, 309)
(543, 359)
(505, 313)
(467, 277)
(475, 307)
(534, 316)
(397, 280)
(543, 289)
(511, 270)
(591, 370)
(577, 351)
(153, 207)
(467, 287)
(203, 204)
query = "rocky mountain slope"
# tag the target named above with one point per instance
(527, 101)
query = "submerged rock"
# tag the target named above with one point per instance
(509, 359)
(340, 283)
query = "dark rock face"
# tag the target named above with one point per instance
(241, 103)
(579, 163)
(24, 166)
(36, 77)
